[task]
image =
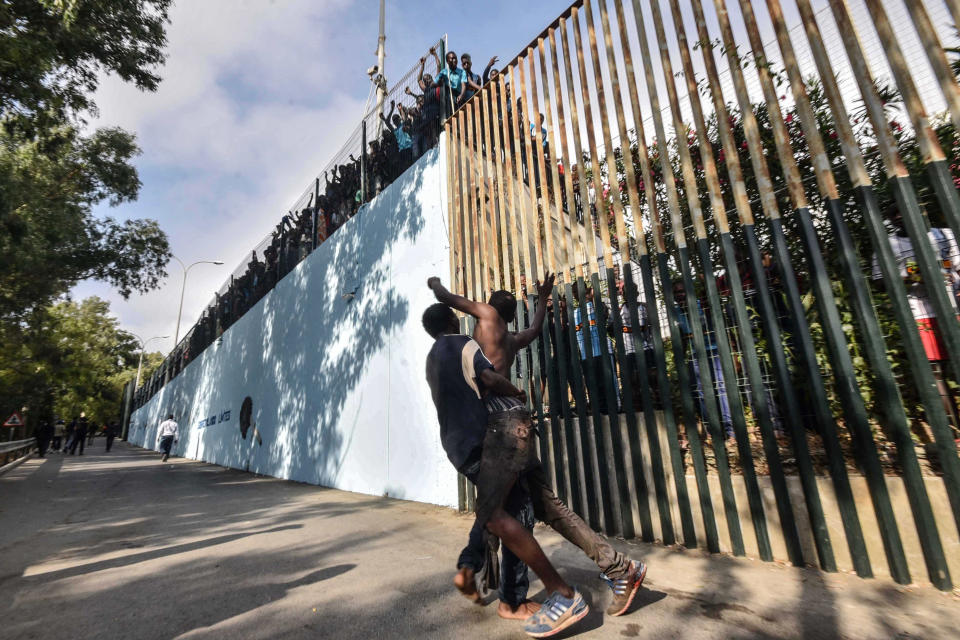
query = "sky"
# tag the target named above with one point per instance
(259, 95)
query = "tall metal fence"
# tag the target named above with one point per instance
(753, 344)
(369, 161)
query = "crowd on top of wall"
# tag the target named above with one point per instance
(408, 131)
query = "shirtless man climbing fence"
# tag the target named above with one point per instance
(510, 455)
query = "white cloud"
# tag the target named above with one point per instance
(251, 107)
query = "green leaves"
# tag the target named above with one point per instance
(53, 54)
(50, 185)
(71, 357)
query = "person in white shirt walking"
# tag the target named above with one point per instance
(167, 434)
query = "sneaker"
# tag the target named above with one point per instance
(164, 458)
(625, 588)
(556, 614)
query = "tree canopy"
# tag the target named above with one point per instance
(73, 357)
(53, 172)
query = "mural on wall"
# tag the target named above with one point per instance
(246, 417)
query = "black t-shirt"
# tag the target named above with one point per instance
(454, 366)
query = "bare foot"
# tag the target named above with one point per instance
(463, 581)
(526, 609)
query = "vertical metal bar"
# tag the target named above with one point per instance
(866, 197)
(603, 510)
(522, 110)
(589, 244)
(660, 366)
(566, 472)
(537, 142)
(888, 396)
(562, 264)
(836, 344)
(536, 395)
(931, 153)
(487, 194)
(363, 162)
(515, 129)
(601, 211)
(612, 440)
(496, 151)
(612, 175)
(760, 406)
(937, 56)
(466, 207)
(728, 368)
(575, 259)
(930, 150)
(477, 193)
(584, 488)
(316, 208)
(640, 355)
(568, 354)
(510, 207)
(692, 302)
(458, 218)
(473, 215)
(451, 207)
(629, 438)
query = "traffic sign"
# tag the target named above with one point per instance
(15, 420)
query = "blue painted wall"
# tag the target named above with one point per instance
(333, 359)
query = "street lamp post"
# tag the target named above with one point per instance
(183, 288)
(143, 347)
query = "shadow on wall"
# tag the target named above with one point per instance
(313, 355)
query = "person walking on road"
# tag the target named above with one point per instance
(110, 431)
(58, 430)
(80, 434)
(43, 434)
(68, 437)
(167, 434)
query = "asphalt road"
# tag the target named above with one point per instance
(120, 545)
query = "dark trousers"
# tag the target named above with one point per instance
(514, 578)
(110, 441)
(56, 443)
(549, 509)
(78, 439)
(165, 443)
(42, 446)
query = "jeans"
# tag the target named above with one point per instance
(549, 509)
(514, 579)
(726, 418)
(79, 439)
(165, 443)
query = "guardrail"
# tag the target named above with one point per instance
(8, 450)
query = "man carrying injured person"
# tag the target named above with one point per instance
(509, 455)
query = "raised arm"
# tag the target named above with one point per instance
(433, 51)
(420, 82)
(528, 335)
(497, 384)
(386, 119)
(486, 72)
(475, 309)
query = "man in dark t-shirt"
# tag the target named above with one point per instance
(458, 372)
(460, 375)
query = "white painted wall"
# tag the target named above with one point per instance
(338, 385)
